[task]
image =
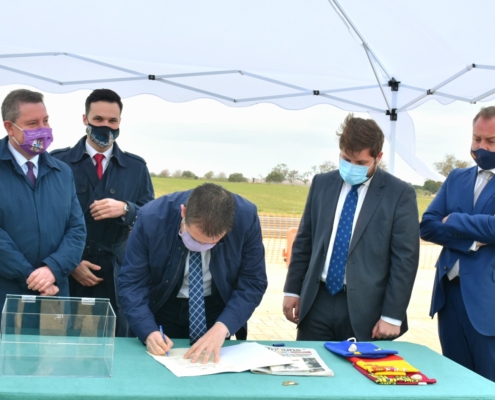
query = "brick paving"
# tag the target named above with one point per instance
(268, 322)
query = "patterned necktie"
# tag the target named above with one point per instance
(197, 314)
(30, 173)
(99, 166)
(336, 270)
(485, 176)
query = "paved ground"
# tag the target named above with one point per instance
(268, 322)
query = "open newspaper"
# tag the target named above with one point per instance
(299, 362)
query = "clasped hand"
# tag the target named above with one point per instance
(106, 208)
(42, 280)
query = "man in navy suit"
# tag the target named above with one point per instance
(357, 285)
(171, 235)
(461, 219)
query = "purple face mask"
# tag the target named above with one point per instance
(192, 244)
(36, 141)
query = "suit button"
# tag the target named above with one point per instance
(445, 268)
(112, 191)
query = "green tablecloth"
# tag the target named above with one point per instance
(137, 376)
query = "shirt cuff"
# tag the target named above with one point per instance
(474, 247)
(391, 321)
(291, 295)
(228, 333)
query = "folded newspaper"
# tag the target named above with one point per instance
(299, 362)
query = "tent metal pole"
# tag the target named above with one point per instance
(482, 96)
(280, 96)
(481, 66)
(377, 79)
(30, 55)
(453, 77)
(366, 107)
(103, 64)
(451, 96)
(350, 89)
(393, 137)
(18, 71)
(354, 28)
(136, 78)
(191, 74)
(218, 96)
(274, 81)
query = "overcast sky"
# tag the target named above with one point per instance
(204, 135)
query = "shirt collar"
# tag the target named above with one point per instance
(21, 160)
(491, 170)
(91, 151)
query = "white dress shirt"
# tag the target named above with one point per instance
(21, 160)
(108, 154)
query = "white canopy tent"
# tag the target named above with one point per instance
(384, 57)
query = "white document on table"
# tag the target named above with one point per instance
(236, 358)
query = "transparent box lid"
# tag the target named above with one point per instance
(57, 336)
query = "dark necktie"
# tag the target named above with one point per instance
(336, 269)
(197, 314)
(99, 166)
(30, 173)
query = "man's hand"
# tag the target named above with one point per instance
(155, 344)
(51, 291)
(291, 308)
(107, 208)
(444, 219)
(40, 279)
(211, 342)
(384, 330)
(83, 274)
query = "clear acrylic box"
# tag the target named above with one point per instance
(57, 336)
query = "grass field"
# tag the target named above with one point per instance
(274, 199)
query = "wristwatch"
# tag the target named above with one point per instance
(126, 208)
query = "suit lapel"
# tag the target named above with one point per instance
(487, 193)
(330, 198)
(371, 201)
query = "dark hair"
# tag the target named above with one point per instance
(103, 95)
(11, 103)
(211, 208)
(485, 113)
(358, 134)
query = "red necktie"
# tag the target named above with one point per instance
(99, 166)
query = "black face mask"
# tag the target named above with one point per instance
(102, 135)
(484, 158)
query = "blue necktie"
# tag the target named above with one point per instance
(197, 314)
(336, 270)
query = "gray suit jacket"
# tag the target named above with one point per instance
(383, 253)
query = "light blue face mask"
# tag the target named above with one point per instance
(353, 174)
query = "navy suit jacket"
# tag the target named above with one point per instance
(383, 254)
(465, 225)
(155, 257)
(126, 178)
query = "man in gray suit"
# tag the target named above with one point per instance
(355, 256)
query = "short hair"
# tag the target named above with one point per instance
(103, 95)
(485, 113)
(358, 134)
(211, 208)
(11, 103)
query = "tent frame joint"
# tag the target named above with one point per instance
(393, 114)
(394, 85)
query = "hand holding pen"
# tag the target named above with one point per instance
(158, 344)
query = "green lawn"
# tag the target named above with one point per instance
(274, 199)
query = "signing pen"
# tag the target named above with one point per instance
(163, 337)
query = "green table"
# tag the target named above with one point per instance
(137, 376)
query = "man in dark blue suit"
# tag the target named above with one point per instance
(111, 186)
(207, 240)
(461, 219)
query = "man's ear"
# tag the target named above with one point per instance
(183, 211)
(9, 127)
(379, 157)
(85, 119)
